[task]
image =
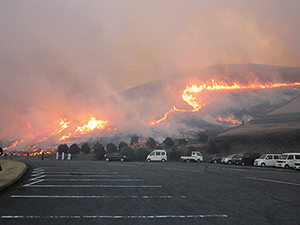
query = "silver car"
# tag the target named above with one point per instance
(229, 159)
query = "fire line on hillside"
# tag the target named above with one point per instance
(192, 95)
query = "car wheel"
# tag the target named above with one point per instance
(188, 160)
(106, 159)
(263, 165)
(229, 162)
(122, 159)
(148, 160)
(198, 160)
(286, 166)
(243, 164)
(215, 161)
(163, 160)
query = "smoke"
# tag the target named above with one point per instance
(63, 59)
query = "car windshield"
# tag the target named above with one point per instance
(262, 156)
(283, 157)
(230, 156)
(241, 155)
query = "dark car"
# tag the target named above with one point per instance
(114, 156)
(246, 158)
(216, 158)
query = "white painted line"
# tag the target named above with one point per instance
(36, 178)
(38, 181)
(273, 181)
(37, 174)
(115, 217)
(80, 173)
(49, 175)
(108, 180)
(95, 197)
(92, 186)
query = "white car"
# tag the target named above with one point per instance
(297, 165)
(267, 160)
(157, 155)
(287, 160)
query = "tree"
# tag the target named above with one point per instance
(122, 145)
(141, 153)
(182, 141)
(63, 148)
(128, 152)
(175, 154)
(212, 147)
(99, 151)
(203, 137)
(168, 142)
(85, 148)
(111, 147)
(74, 149)
(134, 141)
(151, 143)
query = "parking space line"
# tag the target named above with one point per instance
(96, 197)
(115, 217)
(91, 186)
(274, 181)
(30, 184)
(108, 180)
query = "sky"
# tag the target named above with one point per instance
(68, 54)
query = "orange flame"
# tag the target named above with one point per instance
(192, 95)
(16, 143)
(228, 120)
(90, 126)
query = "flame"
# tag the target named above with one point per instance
(16, 143)
(192, 95)
(228, 120)
(90, 126)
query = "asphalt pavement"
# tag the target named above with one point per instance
(99, 192)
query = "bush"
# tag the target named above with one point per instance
(99, 151)
(141, 154)
(128, 152)
(175, 154)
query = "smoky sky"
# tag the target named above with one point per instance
(59, 57)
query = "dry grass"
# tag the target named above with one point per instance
(10, 171)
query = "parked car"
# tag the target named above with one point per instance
(229, 159)
(114, 156)
(287, 160)
(246, 158)
(195, 156)
(157, 155)
(267, 160)
(297, 165)
(216, 158)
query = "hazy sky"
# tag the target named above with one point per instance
(129, 42)
(59, 57)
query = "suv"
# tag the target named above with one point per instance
(266, 160)
(216, 158)
(246, 158)
(229, 159)
(114, 156)
(287, 160)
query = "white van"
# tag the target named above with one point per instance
(267, 160)
(157, 155)
(287, 160)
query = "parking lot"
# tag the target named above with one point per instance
(89, 192)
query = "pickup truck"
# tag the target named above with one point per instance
(195, 156)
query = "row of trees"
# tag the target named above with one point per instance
(132, 151)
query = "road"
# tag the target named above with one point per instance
(91, 192)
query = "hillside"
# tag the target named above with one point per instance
(274, 132)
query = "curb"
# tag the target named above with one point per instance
(15, 180)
